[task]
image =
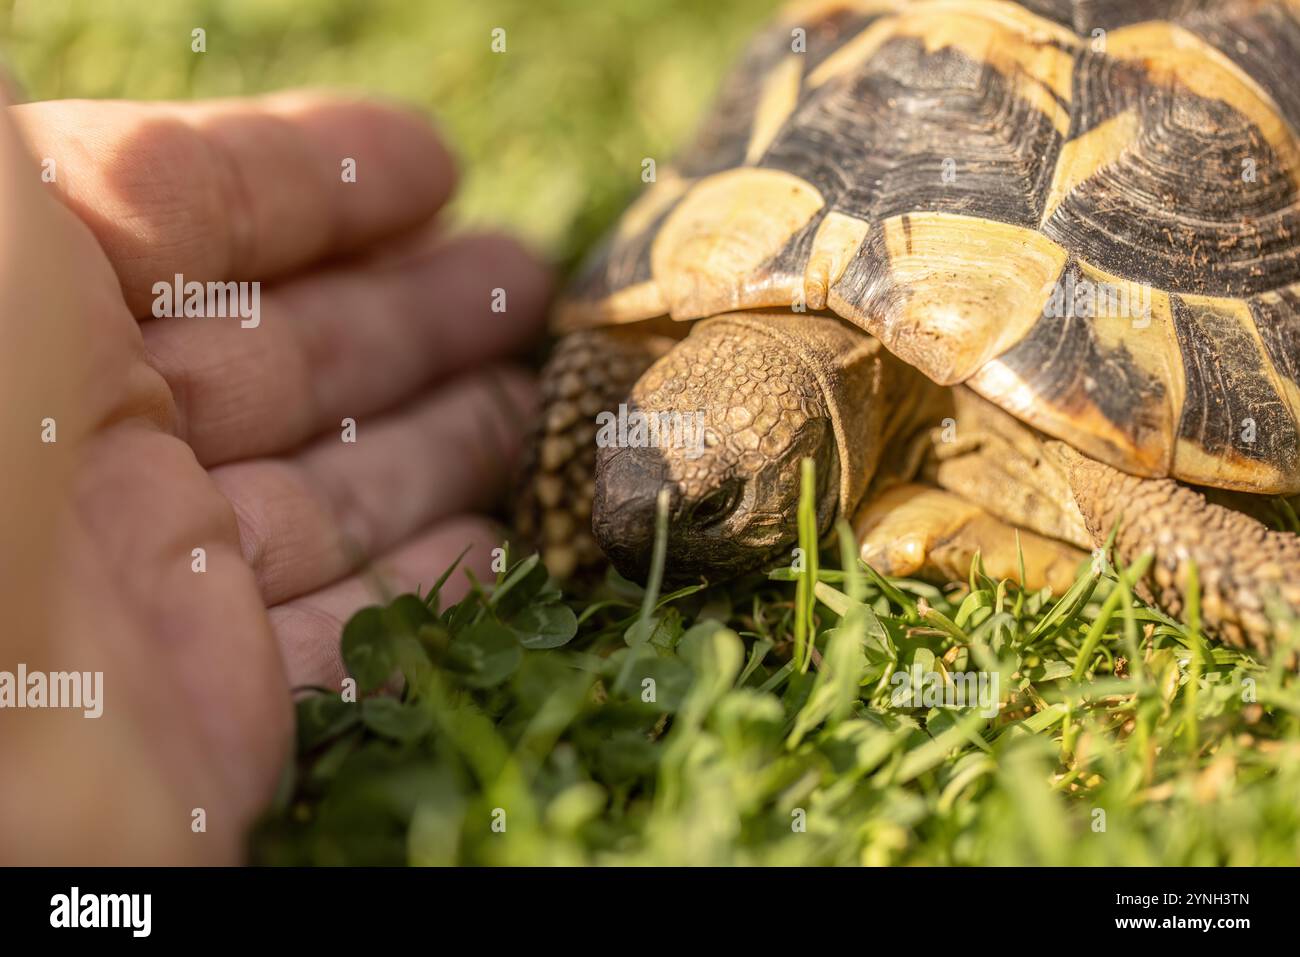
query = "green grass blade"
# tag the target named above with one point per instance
(805, 608)
(1108, 608)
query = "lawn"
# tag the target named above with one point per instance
(751, 723)
(551, 132)
(764, 723)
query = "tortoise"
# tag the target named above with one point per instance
(1014, 276)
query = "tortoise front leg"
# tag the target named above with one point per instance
(917, 530)
(1240, 563)
(995, 478)
(989, 457)
(589, 372)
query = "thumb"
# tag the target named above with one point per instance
(42, 371)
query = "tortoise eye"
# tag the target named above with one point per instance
(717, 505)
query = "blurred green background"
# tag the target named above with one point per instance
(551, 133)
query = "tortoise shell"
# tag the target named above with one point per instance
(1087, 211)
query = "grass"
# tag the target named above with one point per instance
(551, 133)
(693, 728)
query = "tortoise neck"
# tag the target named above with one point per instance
(916, 406)
(853, 374)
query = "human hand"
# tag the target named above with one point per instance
(177, 434)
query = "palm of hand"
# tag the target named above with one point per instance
(196, 530)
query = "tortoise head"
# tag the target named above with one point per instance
(722, 422)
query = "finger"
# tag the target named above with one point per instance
(308, 628)
(60, 348)
(308, 520)
(211, 626)
(236, 189)
(348, 342)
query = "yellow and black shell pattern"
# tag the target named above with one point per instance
(1087, 211)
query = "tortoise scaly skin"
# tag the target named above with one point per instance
(1078, 221)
